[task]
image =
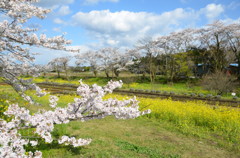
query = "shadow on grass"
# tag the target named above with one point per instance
(54, 145)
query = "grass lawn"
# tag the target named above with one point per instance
(133, 138)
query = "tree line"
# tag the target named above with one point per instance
(214, 46)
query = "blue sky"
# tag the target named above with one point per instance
(94, 24)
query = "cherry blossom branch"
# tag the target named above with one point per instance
(90, 105)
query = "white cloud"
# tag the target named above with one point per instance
(212, 11)
(64, 10)
(58, 21)
(91, 2)
(124, 21)
(53, 4)
(57, 29)
(125, 27)
(183, 1)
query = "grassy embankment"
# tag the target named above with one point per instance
(173, 129)
(136, 82)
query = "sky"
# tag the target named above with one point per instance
(95, 24)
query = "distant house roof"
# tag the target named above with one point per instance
(203, 64)
(234, 64)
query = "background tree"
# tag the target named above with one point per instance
(184, 65)
(233, 42)
(55, 66)
(64, 62)
(122, 62)
(89, 58)
(59, 64)
(107, 57)
(165, 45)
(15, 56)
(171, 44)
(149, 51)
(213, 39)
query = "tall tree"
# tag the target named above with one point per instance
(56, 65)
(171, 44)
(213, 39)
(122, 61)
(148, 48)
(233, 42)
(89, 58)
(107, 57)
(15, 56)
(64, 61)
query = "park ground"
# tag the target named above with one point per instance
(173, 129)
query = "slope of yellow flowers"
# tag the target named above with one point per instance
(184, 114)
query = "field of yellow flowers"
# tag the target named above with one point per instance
(3, 107)
(224, 120)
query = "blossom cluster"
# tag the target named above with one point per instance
(53, 101)
(15, 57)
(12, 144)
(73, 141)
(90, 105)
(106, 59)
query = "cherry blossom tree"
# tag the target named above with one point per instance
(65, 62)
(15, 56)
(89, 58)
(60, 63)
(113, 60)
(44, 69)
(56, 66)
(213, 38)
(107, 58)
(17, 59)
(175, 42)
(147, 48)
(233, 39)
(122, 62)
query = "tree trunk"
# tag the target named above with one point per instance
(151, 69)
(171, 70)
(116, 73)
(107, 73)
(66, 73)
(144, 74)
(58, 72)
(95, 73)
(238, 68)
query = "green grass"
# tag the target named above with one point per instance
(177, 87)
(181, 88)
(132, 138)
